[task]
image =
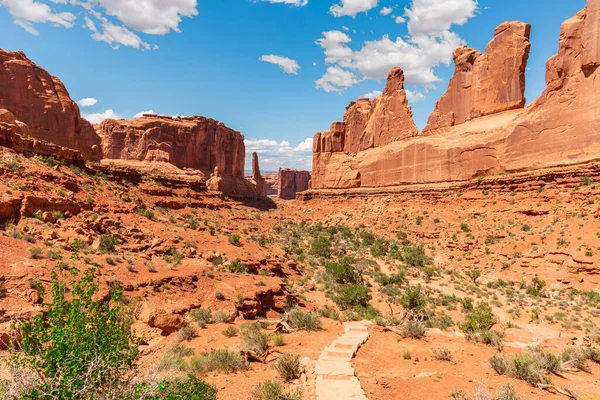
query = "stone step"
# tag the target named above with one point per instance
(339, 389)
(334, 368)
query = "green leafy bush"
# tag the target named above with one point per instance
(352, 295)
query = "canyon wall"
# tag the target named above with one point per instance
(479, 127)
(290, 182)
(42, 102)
(187, 142)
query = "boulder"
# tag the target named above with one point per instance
(41, 101)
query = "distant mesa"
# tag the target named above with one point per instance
(291, 182)
(480, 126)
(39, 110)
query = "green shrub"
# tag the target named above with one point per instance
(306, 321)
(234, 239)
(272, 390)
(321, 247)
(442, 354)
(146, 213)
(413, 329)
(108, 243)
(352, 295)
(187, 332)
(190, 388)
(342, 271)
(414, 256)
(278, 340)
(223, 361)
(288, 366)
(480, 319)
(236, 267)
(254, 339)
(76, 348)
(230, 331)
(35, 253)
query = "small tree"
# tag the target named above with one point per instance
(82, 348)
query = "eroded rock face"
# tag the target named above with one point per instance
(257, 178)
(480, 126)
(42, 102)
(367, 125)
(190, 142)
(291, 182)
(485, 84)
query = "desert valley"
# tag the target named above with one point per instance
(139, 261)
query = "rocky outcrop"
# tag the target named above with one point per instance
(485, 84)
(367, 125)
(257, 178)
(190, 142)
(16, 136)
(562, 127)
(291, 182)
(42, 102)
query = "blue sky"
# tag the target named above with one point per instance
(276, 70)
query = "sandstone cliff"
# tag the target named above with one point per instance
(485, 84)
(494, 134)
(291, 182)
(191, 142)
(42, 102)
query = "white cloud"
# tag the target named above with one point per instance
(155, 17)
(115, 35)
(141, 114)
(87, 102)
(274, 155)
(96, 118)
(352, 7)
(372, 94)
(25, 13)
(337, 79)
(386, 10)
(429, 44)
(414, 96)
(336, 50)
(297, 3)
(345, 28)
(286, 64)
(427, 17)
(400, 20)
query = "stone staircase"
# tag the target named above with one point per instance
(335, 374)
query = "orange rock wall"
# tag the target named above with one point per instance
(42, 102)
(562, 127)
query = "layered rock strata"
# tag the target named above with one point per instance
(562, 127)
(189, 142)
(291, 182)
(42, 102)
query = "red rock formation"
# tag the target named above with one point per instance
(16, 136)
(563, 125)
(42, 102)
(485, 84)
(367, 124)
(257, 178)
(191, 142)
(561, 128)
(291, 182)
